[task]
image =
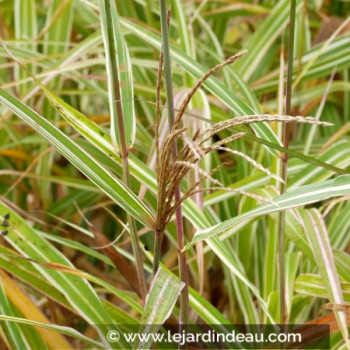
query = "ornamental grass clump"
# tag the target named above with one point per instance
(251, 200)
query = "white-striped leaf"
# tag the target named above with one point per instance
(301, 196)
(320, 244)
(160, 302)
(117, 58)
(103, 179)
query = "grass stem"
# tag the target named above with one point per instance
(284, 170)
(124, 152)
(158, 234)
(184, 298)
